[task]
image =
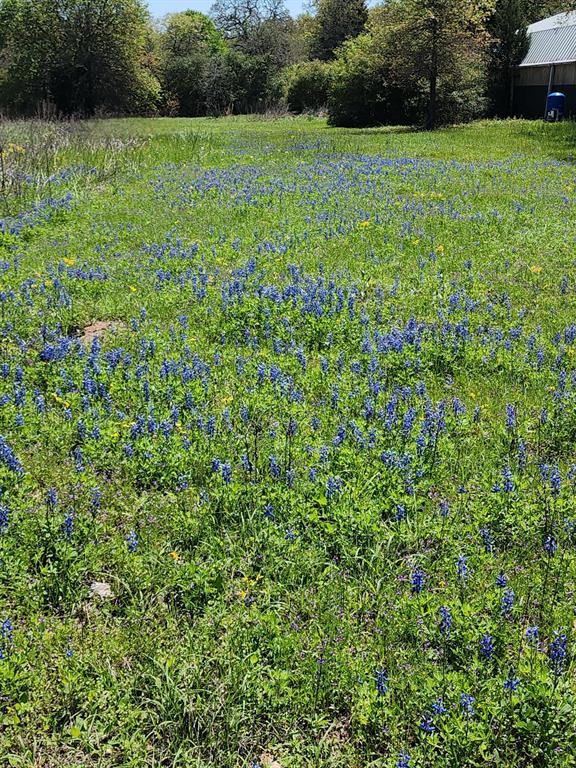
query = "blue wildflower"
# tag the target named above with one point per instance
(512, 682)
(417, 580)
(487, 646)
(557, 652)
(381, 681)
(9, 458)
(132, 541)
(507, 602)
(445, 621)
(467, 704)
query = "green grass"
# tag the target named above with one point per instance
(267, 273)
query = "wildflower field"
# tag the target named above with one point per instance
(287, 431)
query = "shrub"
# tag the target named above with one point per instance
(361, 89)
(306, 86)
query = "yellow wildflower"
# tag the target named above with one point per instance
(536, 269)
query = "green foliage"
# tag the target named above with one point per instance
(89, 56)
(362, 91)
(258, 271)
(187, 45)
(420, 61)
(306, 86)
(335, 22)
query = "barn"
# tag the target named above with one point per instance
(549, 65)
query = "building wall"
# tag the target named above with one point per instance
(531, 89)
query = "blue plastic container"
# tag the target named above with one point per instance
(555, 106)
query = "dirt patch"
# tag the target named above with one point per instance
(99, 329)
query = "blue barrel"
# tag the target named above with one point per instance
(555, 106)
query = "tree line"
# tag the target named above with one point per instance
(426, 62)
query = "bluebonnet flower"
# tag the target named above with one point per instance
(487, 646)
(487, 539)
(550, 545)
(6, 637)
(9, 458)
(417, 580)
(226, 470)
(557, 652)
(467, 704)
(510, 417)
(438, 707)
(333, 485)
(95, 500)
(52, 498)
(522, 454)
(531, 635)
(462, 567)
(274, 467)
(508, 485)
(507, 602)
(68, 525)
(4, 517)
(427, 724)
(269, 511)
(445, 621)
(381, 681)
(215, 465)
(132, 541)
(512, 682)
(444, 508)
(400, 512)
(290, 535)
(555, 481)
(404, 760)
(501, 580)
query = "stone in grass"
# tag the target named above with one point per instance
(268, 761)
(101, 589)
(99, 329)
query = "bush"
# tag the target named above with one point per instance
(382, 77)
(361, 89)
(306, 86)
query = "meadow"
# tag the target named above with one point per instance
(287, 428)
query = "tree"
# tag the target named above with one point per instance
(335, 22)
(363, 90)
(187, 43)
(28, 57)
(306, 85)
(440, 43)
(240, 20)
(260, 36)
(419, 61)
(81, 55)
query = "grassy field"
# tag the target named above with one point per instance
(287, 428)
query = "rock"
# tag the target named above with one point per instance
(101, 589)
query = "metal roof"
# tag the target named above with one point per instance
(552, 41)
